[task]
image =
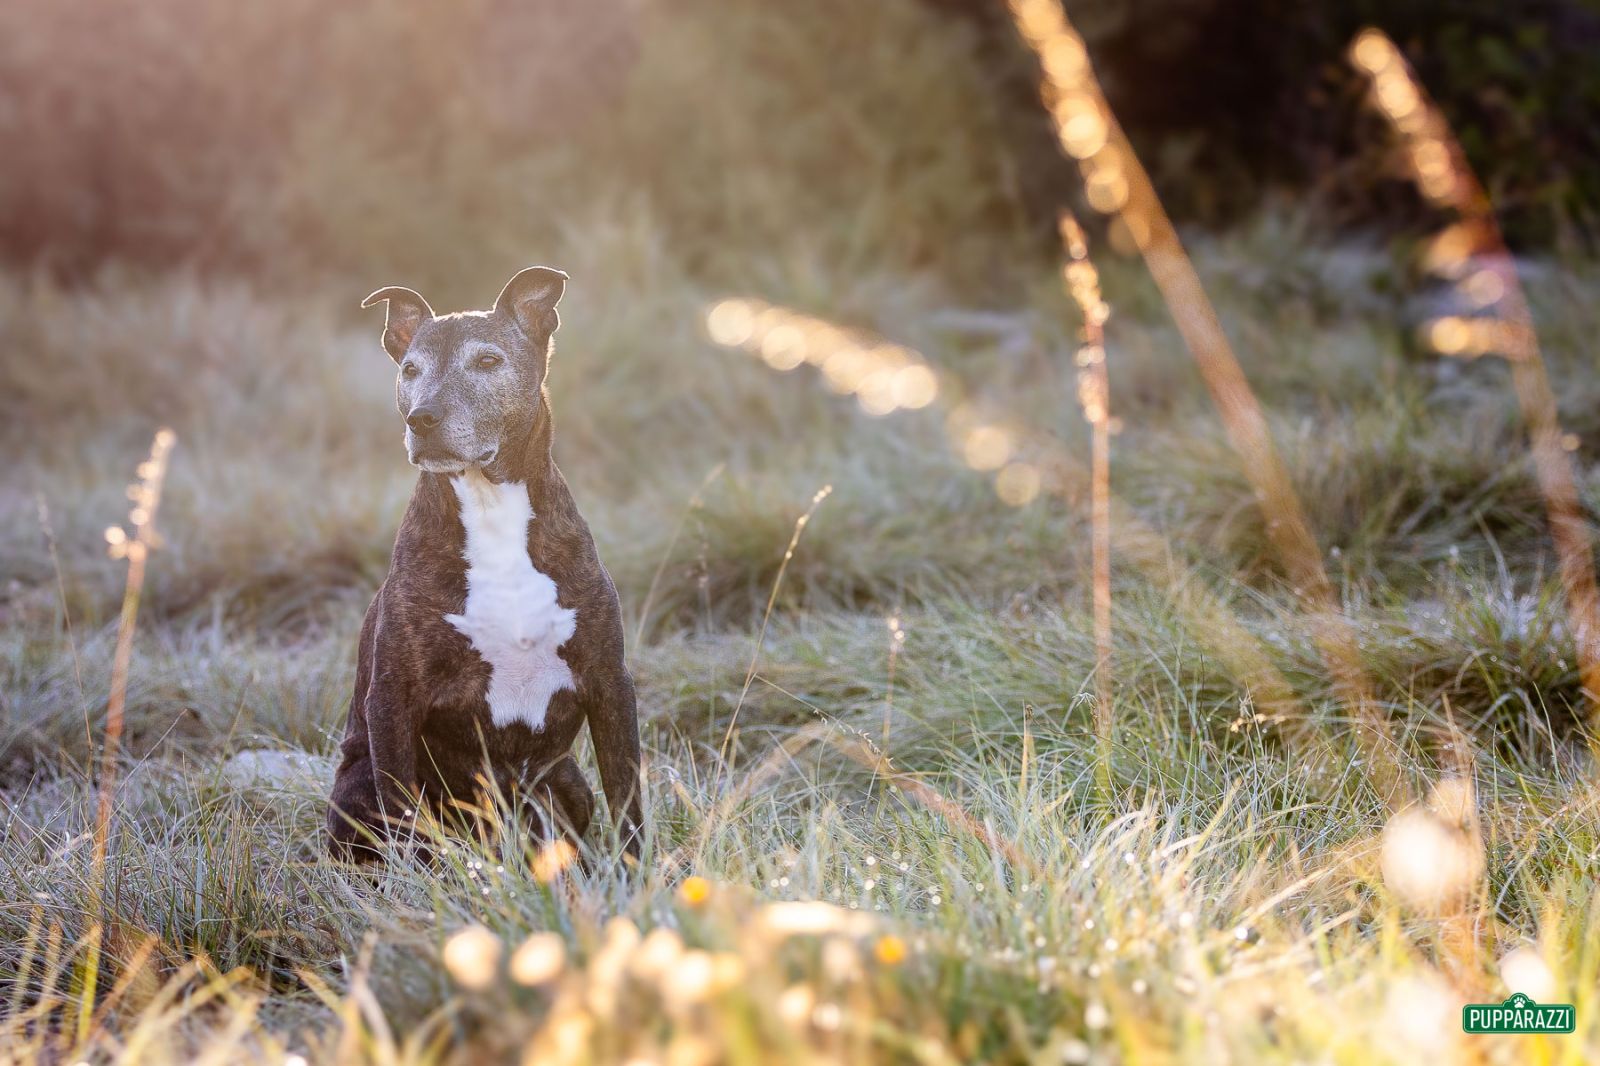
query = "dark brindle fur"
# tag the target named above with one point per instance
(419, 722)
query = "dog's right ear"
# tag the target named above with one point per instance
(407, 311)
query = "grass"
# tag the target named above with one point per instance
(991, 884)
(276, 530)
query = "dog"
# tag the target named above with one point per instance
(497, 632)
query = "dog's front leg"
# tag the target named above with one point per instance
(392, 728)
(613, 713)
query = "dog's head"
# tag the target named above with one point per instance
(470, 383)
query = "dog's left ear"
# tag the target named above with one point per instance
(530, 299)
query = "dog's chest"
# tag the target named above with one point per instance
(511, 615)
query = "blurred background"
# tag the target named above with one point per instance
(282, 142)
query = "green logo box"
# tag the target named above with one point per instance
(1518, 1014)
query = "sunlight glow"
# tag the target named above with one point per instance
(1427, 863)
(883, 377)
(539, 959)
(472, 957)
(1524, 970)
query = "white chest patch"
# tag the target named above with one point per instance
(511, 615)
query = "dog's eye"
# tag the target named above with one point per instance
(409, 371)
(487, 361)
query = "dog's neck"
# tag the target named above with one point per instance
(527, 460)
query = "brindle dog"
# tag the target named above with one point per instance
(497, 632)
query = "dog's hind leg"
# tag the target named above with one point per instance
(356, 826)
(565, 793)
(613, 713)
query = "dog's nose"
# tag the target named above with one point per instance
(422, 419)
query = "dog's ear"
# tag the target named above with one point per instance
(530, 300)
(407, 311)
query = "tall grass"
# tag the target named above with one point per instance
(1474, 253)
(1115, 183)
(146, 497)
(1082, 282)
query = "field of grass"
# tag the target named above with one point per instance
(880, 824)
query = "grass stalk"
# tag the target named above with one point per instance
(146, 496)
(1116, 184)
(1082, 283)
(1474, 253)
(766, 617)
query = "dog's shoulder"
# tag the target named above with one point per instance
(426, 570)
(559, 537)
